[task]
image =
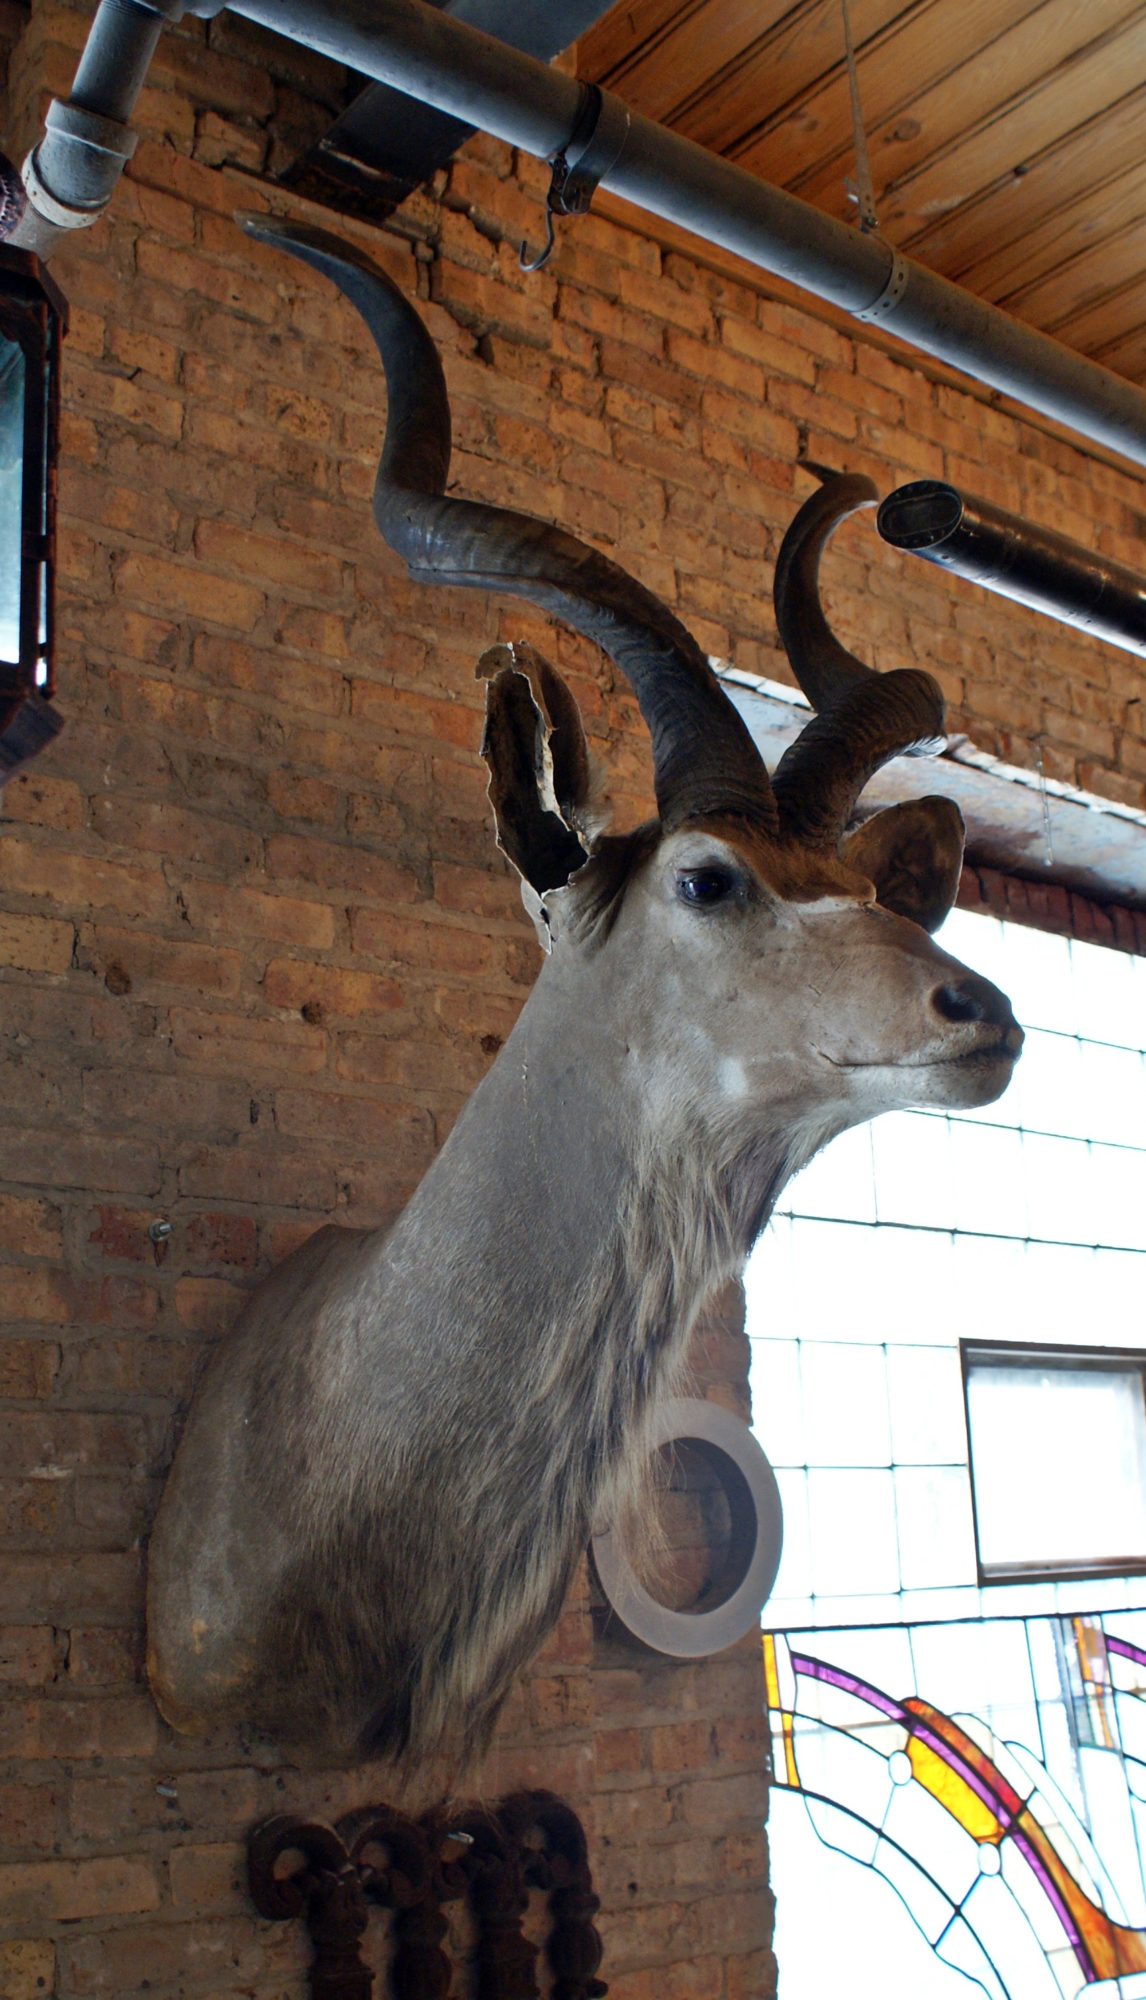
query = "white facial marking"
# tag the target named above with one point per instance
(733, 1077)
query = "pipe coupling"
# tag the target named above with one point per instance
(894, 287)
(85, 154)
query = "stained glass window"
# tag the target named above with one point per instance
(960, 1767)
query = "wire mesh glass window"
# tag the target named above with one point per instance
(1073, 1503)
(1025, 1221)
(956, 1672)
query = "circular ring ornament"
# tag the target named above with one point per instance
(732, 1603)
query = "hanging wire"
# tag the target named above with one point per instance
(859, 186)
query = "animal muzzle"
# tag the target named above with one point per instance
(973, 1001)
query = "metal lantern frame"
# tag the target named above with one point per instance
(33, 317)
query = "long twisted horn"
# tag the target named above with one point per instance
(704, 759)
(864, 717)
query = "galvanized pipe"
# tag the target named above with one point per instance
(70, 177)
(1014, 558)
(458, 69)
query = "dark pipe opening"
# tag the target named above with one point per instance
(1032, 565)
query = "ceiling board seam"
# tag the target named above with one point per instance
(1080, 199)
(1119, 294)
(615, 72)
(1070, 264)
(1051, 79)
(932, 239)
(753, 52)
(900, 106)
(1042, 250)
(836, 73)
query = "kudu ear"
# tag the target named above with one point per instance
(539, 773)
(913, 853)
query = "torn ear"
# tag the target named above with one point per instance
(914, 854)
(539, 780)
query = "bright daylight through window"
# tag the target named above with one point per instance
(1078, 1505)
(958, 1728)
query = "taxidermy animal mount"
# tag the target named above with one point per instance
(394, 1460)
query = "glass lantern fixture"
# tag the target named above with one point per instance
(32, 321)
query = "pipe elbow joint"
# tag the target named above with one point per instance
(72, 174)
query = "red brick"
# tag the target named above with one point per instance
(30, 1655)
(274, 1178)
(449, 950)
(108, 395)
(207, 1305)
(208, 1878)
(151, 962)
(39, 800)
(29, 1227)
(269, 559)
(53, 875)
(236, 912)
(321, 991)
(61, 1891)
(245, 1043)
(27, 1968)
(344, 869)
(188, 589)
(27, 1367)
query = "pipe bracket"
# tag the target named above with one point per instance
(576, 172)
(596, 144)
(883, 307)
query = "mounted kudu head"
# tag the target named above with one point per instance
(393, 1463)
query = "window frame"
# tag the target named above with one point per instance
(1034, 1354)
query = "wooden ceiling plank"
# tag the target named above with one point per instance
(781, 71)
(1075, 91)
(934, 123)
(793, 138)
(1077, 164)
(1077, 283)
(704, 37)
(1100, 211)
(907, 86)
(1127, 355)
(606, 50)
(1105, 321)
(1006, 148)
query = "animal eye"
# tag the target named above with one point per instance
(701, 888)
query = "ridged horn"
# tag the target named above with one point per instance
(863, 717)
(704, 759)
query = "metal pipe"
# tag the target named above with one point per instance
(70, 177)
(116, 57)
(1032, 565)
(433, 56)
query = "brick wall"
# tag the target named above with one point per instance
(257, 946)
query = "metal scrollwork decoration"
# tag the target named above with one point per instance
(489, 1857)
(506, 1961)
(560, 1865)
(327, 1891)
(406, 1883)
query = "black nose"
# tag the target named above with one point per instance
(970, 998)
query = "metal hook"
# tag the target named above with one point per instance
(542, 256)
(594, 146)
